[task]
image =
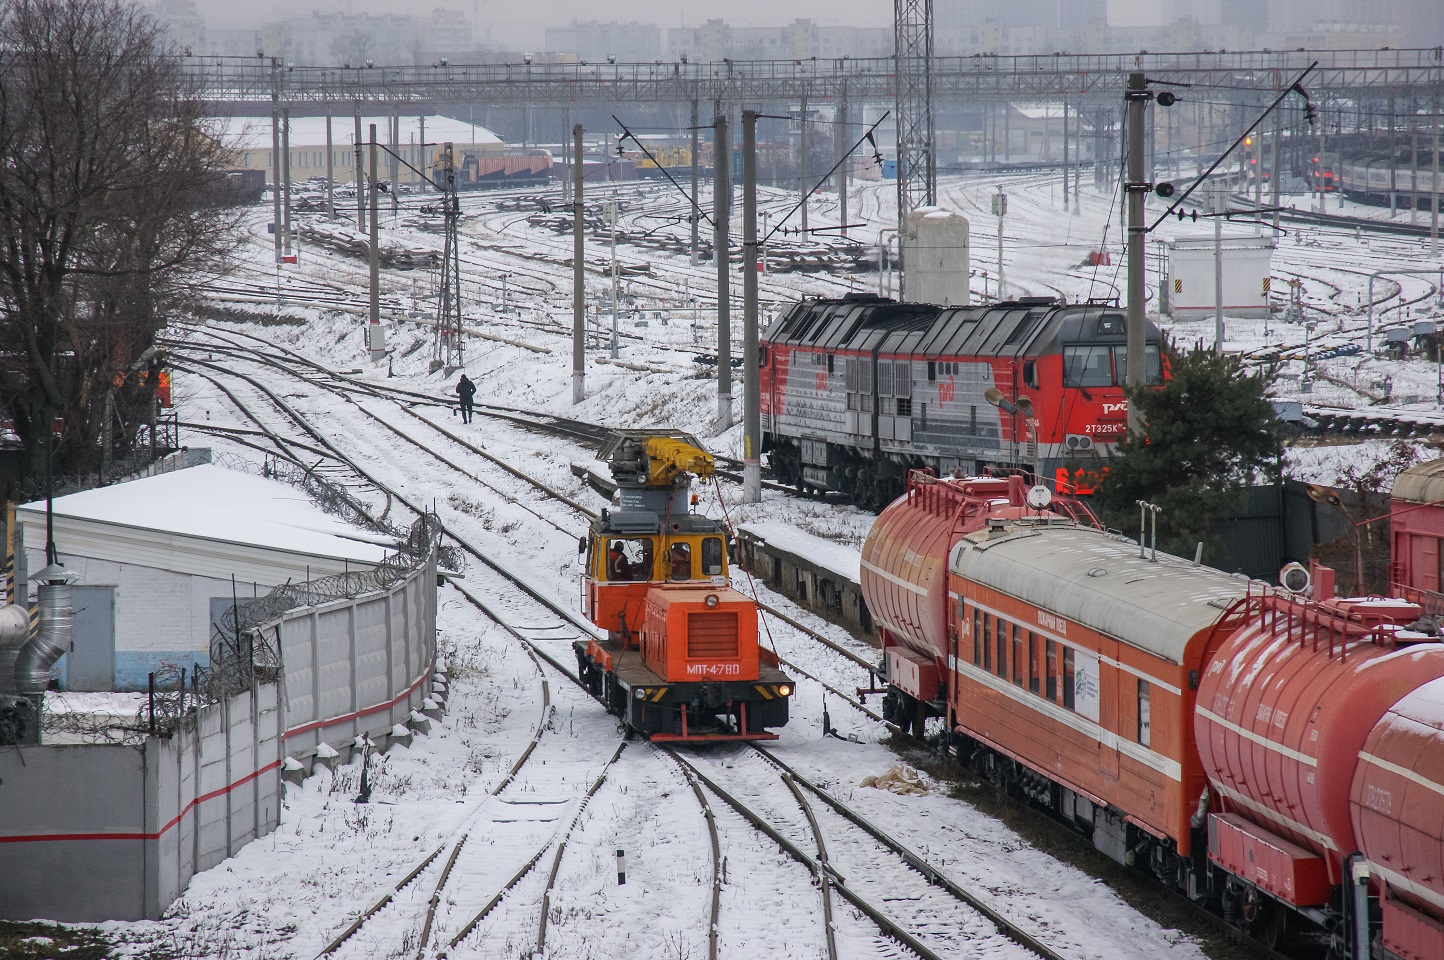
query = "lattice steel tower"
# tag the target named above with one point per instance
(449, 352)
(917, 177)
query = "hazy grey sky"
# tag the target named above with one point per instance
(509, 16)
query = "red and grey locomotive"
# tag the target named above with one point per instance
(857, 392)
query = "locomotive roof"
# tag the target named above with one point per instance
(1097, 580)
(1023, 327)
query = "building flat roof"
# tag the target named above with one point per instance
(309, 133)
(189, 519)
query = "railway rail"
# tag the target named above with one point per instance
(568, 621)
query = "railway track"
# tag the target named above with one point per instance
(562, 620)
(836, 686)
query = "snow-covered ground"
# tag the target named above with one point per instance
(286, 895)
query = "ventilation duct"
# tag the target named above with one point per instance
(51, 641)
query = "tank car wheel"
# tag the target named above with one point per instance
(1271, 923)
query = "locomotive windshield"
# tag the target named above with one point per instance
(1097, 365)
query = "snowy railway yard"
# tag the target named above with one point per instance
(498, 833)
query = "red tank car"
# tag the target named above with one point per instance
(1277, 757)
(904, 577)
(1397, 807)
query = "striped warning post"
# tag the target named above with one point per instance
(10, 591)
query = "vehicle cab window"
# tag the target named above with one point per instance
(679, 559)
(629, 560)
(712, 557)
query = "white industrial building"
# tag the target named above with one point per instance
(1243, 261)
(161, 558)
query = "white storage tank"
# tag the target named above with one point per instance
(935, 257)
(1246, 264)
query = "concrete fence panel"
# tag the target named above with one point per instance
(115, 831)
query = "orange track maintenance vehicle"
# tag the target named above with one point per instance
(681, 660)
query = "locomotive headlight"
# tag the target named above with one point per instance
(712, 600)
(784, 690)
(640, 694)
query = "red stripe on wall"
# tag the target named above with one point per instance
(70, 837)
(32, 838)
(321, 724)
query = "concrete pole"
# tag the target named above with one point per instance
(375, 239)
(579, 288)
(613, 214)
(286, 180)
(804, 184)
(1065, 153)
(421, 136)
(1135, 190)
(842, 146)
(1434, 194)
(395, 155)
(1001, 201)
(1393, 164)
(1220, 207)
(693, 215)
(751, 394)
(330, 171)
(276, 225)
(360, 176)
(1275, 176)
(1077, 166)
(1414, 173)
(721, 240)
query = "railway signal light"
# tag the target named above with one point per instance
(1166, 99)
(1164, 189)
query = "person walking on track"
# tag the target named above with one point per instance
(466, 390)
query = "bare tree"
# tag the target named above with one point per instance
(109, 204)
(353, 46)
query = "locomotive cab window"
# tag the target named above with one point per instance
(629, 561)
(712, 554)
(679, 561)
(1096, 365)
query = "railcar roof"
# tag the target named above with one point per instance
(1008, 329)
(1422, 483)
(1097, 580)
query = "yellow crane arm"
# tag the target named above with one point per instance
(668, 457)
